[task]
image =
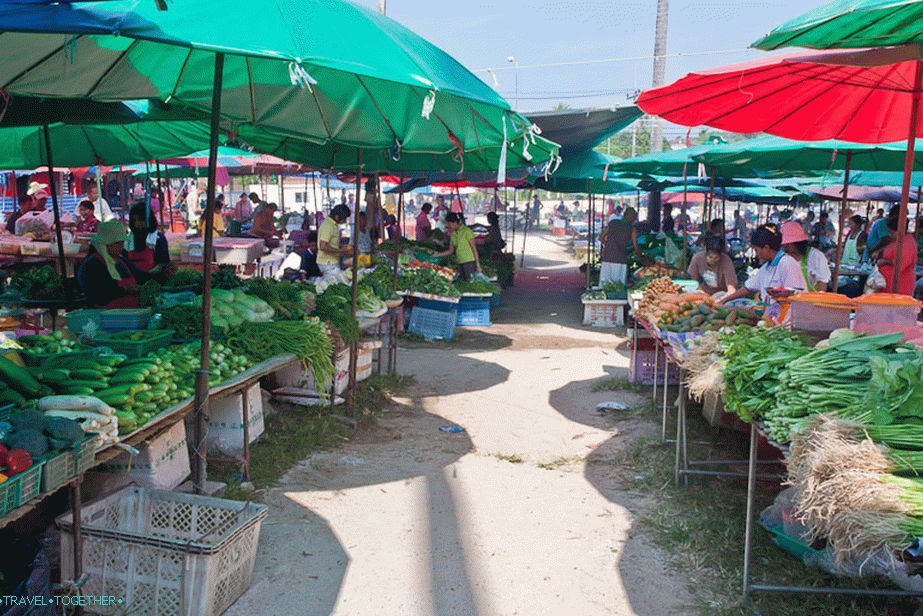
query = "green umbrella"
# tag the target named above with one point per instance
(333, 74)
(583, 173)
(850, 24)
(76, 145)
(774, 156)
(672, 163)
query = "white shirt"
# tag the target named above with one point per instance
(102, 210)
(783, 271)
(818, 268)
(292, 261)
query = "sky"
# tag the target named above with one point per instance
(599, 50)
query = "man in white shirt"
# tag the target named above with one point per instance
(192, 204)
(103, 211)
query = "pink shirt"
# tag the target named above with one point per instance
(424, 227)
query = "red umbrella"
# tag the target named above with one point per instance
(866, 95)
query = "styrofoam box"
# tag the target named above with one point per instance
(162, 463)
(604, 313)
(225, 424)
(341, 378)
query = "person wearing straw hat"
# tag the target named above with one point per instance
(106, 277)
(814, 265)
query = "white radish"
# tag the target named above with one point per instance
(75, 403)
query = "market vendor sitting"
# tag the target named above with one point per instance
(106, 277)
(778, 270)
(814, 265)
(713, 268)
(87, 222)
(462, 244)
(146, 248)
(301, 263)
(424, 226)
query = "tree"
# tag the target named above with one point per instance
(561, 107)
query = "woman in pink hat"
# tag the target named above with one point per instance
(813, 262)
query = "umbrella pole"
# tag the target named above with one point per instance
(683, 213)
(916, 218)
(354, 347)
(16, 205)
(525, 233)
(908, 172)
(160, 188)
(282, 193)
(56, 211)
(400, 212)
(168, 196)
(513, 236)
(202, 374)
(839, 239)
(589, 225)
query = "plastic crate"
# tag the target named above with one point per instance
(432, 324)
(61, 467)
(165, 553)
(86, 321)
(473, 312)
(20, 489)
(793, 546)
(642, 371)
(136, 348)
(124, 319)
(435, 304)
(428, 258)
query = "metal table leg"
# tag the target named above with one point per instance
(680, 437)
(656, 354)
(245, 414)
(77, 512)
(748, 532)
(666, 391)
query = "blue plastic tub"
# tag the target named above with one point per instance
(495, 300)
(434, 304)
(432, 324)
(473, 312)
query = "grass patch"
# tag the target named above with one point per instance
(559, 462)
(511, 458)
(705, 535)
(620, 383)
(293, 433)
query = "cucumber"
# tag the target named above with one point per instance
(110, 360)
(118, 401)
(151, 408)
(126, 377)
(144, 396)
(11, 396)
(87, 374)
(20, 379)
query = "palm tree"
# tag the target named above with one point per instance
(660, 66)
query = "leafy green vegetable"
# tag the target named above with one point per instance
(185, 277)
(476, 286)
(334, 306)
(148, 293)
(39, 283)
(425, 280)
(290, 300)
(225, 278)
(185, 320)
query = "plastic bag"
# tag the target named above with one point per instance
(876, 281)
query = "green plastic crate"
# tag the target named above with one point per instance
(61, 467)
(789, 544)
(20, 489)
(135, 348)
(428, 258)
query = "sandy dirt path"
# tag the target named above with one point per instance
(523, 513)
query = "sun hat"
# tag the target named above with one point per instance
(793, 232)
(108, 233)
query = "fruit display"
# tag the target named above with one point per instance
(656, 271)
(649, 308)
(705, 317)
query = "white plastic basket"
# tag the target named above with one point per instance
(165, 553)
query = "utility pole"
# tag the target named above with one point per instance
(382, 6)
(660, 66)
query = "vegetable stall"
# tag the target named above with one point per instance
(839, 406)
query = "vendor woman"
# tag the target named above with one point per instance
(814, 265)
(462, 244)
(713, 268)
(778, 270)
(146, 247)
(106, 277)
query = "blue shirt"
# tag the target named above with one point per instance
(877, 233)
